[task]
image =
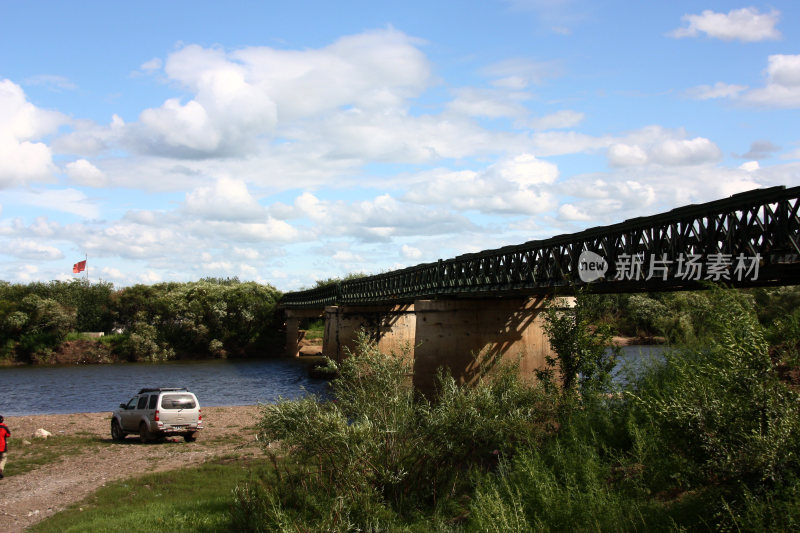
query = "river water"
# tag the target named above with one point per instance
(632, 360)
(32, 390)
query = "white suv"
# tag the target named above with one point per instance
(156, 413)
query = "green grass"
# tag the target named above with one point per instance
(23, 458)
(193, 499)
(315, 330)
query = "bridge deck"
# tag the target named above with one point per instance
(749, 239)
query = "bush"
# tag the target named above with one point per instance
(721, 411)
(143, 344)
(707, 439)
(378, 452)
(582, 351)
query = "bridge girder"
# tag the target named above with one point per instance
(756, 233)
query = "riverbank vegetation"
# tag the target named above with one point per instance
(208, 318)
(706, 439)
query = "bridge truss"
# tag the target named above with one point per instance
(749, 239)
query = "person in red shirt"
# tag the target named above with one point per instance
(4, 434)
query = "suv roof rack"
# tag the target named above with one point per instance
(163, 389)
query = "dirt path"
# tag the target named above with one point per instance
(28, 498)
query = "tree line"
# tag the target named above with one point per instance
(212, 317)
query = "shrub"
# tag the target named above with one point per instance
(144, 344)
(721, 411)
(582, 351)
(379, 451)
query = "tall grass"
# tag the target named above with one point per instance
(707, 439)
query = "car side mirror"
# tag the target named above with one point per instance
(123, 406)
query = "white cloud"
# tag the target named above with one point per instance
(525, 170)
(746, 24)
(27, 273)
(270, 230)
(410, 252)
(519, 73)
(23, 161)
(42, 227)
(516, 184)
(656, 145)
(64, 200)
(783, 84)
(52, 81)
(750, 166)
(32, 250)
(625, 155)
(247, 93)
(549, 143)
(89, 138)
(151, 65)
(134, 241)
(571, 212)
(217, 266)
(345, 256)
(557, 120)
(685, 152)
(149, 277)
(628, 192)
(227, 199)
(378, 219)
(85, 173)
(491, 103)
(396, 136)
(246, 253)
(718, 90)
(112, 273)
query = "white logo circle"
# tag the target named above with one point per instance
(591, 266)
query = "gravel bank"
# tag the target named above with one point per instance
(29, 498)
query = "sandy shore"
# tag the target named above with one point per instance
(30, 497)
(635, 341)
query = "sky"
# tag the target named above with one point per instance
(291, 142)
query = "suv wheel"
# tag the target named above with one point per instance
(190, 437)
(144, 435)
(116, 431)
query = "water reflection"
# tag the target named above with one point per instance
(94, 388)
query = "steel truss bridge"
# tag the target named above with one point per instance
(749, 239)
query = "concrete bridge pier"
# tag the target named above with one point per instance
(469, 336)
(296, 320)
(391, 327)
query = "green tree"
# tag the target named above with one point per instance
(582, 350)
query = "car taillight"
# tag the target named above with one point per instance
(200, 415)
(156, 417)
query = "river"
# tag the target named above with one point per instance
(32, 390)
(35, 390)
(632, 360)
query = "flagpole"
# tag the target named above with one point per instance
(86, 258)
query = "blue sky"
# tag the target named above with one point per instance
(290, 142)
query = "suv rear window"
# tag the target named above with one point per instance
(178, 401)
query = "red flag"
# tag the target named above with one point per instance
(80, 266)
